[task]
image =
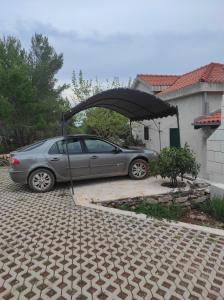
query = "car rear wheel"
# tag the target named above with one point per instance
(138, 169)
(41, 180)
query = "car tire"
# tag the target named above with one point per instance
(138, 169)
(41, 180)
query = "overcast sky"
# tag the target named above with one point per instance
(122, 37)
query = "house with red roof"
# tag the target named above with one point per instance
(198, 96)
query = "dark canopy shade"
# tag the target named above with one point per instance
(133, 104)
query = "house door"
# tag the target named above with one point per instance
(174, 137)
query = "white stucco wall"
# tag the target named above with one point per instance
(190, 107)
(215, 154)
(144, 88)
(214, 100)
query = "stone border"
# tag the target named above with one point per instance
(186, 199)
(143, 217)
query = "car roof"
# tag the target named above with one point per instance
(52, 140)
(77, 135)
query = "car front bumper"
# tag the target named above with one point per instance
(18, 176)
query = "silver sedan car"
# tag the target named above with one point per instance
(42, 164)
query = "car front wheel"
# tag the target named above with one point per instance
(41, 180)
(138, 169)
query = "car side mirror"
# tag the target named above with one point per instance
(117, 150)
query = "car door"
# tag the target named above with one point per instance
(105, 158)
(79, 160)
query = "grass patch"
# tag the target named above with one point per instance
(214, 208)
(171, 212)
(209, 213)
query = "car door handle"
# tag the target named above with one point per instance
(55, 159)
(94, 157)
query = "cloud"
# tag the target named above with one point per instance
(125, 55)
(120, 38)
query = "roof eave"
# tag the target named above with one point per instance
(198, 87)
(208, 124)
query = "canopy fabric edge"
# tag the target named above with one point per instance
(134, 104)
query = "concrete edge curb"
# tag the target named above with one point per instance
(144, 217)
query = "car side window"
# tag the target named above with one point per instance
(53, 149)
(74, 147)
(97, 146)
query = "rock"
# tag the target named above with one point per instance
(207, 191)
(193, 197)
(191, 184)
(199, 200)
(151, 201)
(200, 183)
(198, 216)
(165, 199)
(181, 199)
(185, 204)
(178, 193)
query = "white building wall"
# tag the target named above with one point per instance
(190, 107)
(215, 153)
(144, 88)
(214, 100)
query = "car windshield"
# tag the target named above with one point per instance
(31, 146)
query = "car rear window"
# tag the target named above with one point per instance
(31, 146)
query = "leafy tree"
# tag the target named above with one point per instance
(106, 123)
(30, 102)
(175, 162)
(16, 91)
(84, 88)
(44, 64)
(102, 122)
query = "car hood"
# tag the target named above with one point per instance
(137, 150)
(133, 150)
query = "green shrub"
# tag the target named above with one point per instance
(175, 162)
(132, 141)
(214, 208)
(2, 149)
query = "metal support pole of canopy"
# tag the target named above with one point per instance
(159, 129)
(130, 128)
(178, 124)
(63, 131)
(69, 166)
(62, 124)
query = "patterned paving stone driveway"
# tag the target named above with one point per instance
(52, 249)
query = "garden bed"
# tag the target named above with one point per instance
(193, 206)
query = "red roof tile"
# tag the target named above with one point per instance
(211, 73)
(212, 119)
(158, 80)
